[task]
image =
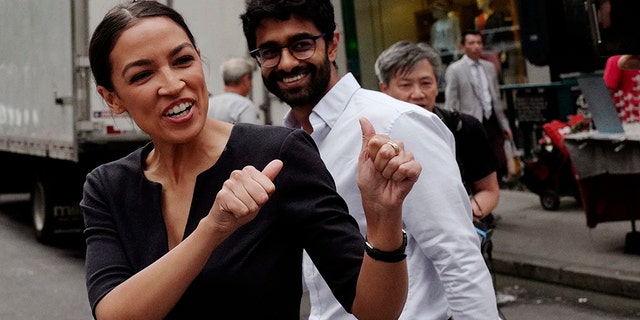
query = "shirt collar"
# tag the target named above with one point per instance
(470, 61)
(290, 121)
(331, 106)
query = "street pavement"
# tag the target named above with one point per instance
(558, 247)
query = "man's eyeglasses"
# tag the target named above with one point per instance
(302, 49)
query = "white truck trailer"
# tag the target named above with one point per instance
(52, 127)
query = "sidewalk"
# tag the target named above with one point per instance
(558, 247)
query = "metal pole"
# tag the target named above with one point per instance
(80, 64)
(266, 107)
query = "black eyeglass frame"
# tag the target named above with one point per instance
(255, 53)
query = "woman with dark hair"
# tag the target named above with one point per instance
(188, 226)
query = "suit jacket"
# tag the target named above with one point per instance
(461, 95)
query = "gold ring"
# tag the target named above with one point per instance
(395, 147)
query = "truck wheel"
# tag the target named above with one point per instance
(550, 200)
(41, 213)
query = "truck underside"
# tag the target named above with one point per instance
(55, 186)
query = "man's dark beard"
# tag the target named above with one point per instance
(309, 95)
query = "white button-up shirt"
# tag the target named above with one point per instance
(447, 273)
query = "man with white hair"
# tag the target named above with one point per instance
(233, 105)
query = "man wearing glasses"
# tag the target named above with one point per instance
(295, 44)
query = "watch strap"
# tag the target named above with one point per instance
(388, 256)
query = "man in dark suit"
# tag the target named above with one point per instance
(471, 87)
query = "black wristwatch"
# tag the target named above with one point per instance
(387, 256)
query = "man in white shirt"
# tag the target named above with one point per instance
(296, 45)
(233, 105)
